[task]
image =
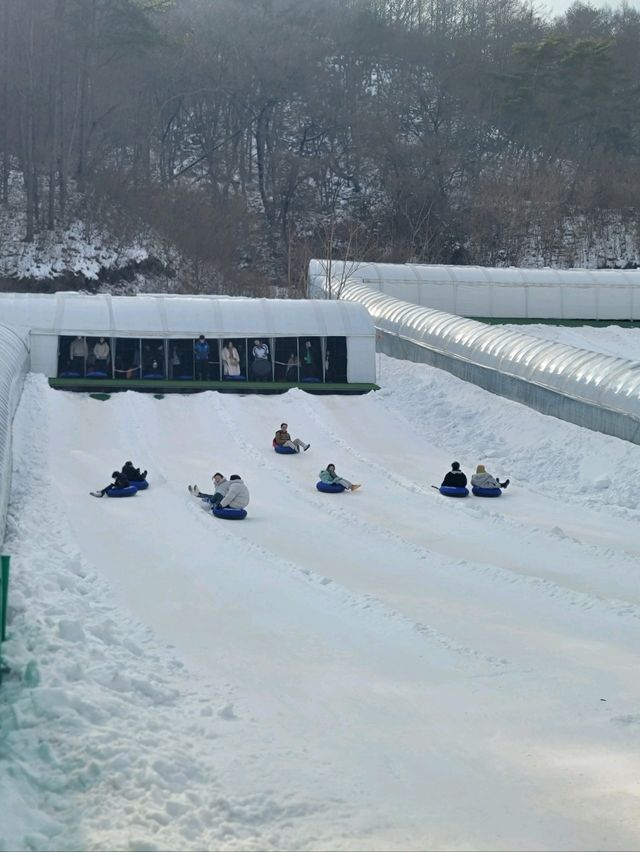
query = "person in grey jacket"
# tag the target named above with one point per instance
(237, 496)
(222, 486)
(482, 479)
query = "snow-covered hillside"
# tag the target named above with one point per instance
(83, 249)
(388, 669)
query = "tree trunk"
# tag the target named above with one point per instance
(4, 102)
(28, 128)
(85, 92)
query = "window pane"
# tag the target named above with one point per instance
(310, 359)
(180, 354)
(286, 359)
(153, 359)
(72, 356)
(335, 359)
(234, 359)
(99, 358)
(127, 358)
(260, 362)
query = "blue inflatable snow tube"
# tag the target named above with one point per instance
(140, 485)
(284, 451)
(454, 491)
(486, 492)
(129, 491)
(329, 487)
(229, 514)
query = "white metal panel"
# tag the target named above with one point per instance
(156, 315)
(14, 362)
(473, 299)
(440, 296)
(545, 302)
(85, 312)
(361, 359)
(484, 292)
(44, 354)
(508, 300)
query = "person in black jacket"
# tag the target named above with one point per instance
(119, 481)
(455, 478)
(133, 473)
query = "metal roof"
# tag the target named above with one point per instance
(495, 292)
(176, 316)
(588, 376)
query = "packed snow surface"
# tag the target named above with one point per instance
(387, 669)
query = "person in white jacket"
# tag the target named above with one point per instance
(78, 352)
(101, 354)
(237, 496)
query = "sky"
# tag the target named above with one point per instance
(387, 669)
(557, 7)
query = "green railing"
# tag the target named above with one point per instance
(4, 596)
(190, 386)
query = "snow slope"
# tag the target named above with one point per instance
(387, 669)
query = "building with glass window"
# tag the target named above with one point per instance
(178, 343)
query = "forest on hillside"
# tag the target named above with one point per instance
(253, 135)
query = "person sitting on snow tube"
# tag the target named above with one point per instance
(455, 478)
(482, 479)
(133, 473)
(283, 439)
(222, 486)
(330, 477)
(120, 482)
(237, 496)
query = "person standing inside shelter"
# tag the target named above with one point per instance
(174, 362)
(78, 352)
(201, 355)
(230, 359)
(292, 368)
(308, 361)
(261, 366)
(101, 354)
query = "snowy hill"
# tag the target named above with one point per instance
(387, 669)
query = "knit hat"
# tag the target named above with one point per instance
(480, 469)
(455, 465)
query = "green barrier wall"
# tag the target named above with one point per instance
(4, 597)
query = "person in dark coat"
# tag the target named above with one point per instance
(455, 478)
(119, 481)
(132, 473)
(201, 353)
